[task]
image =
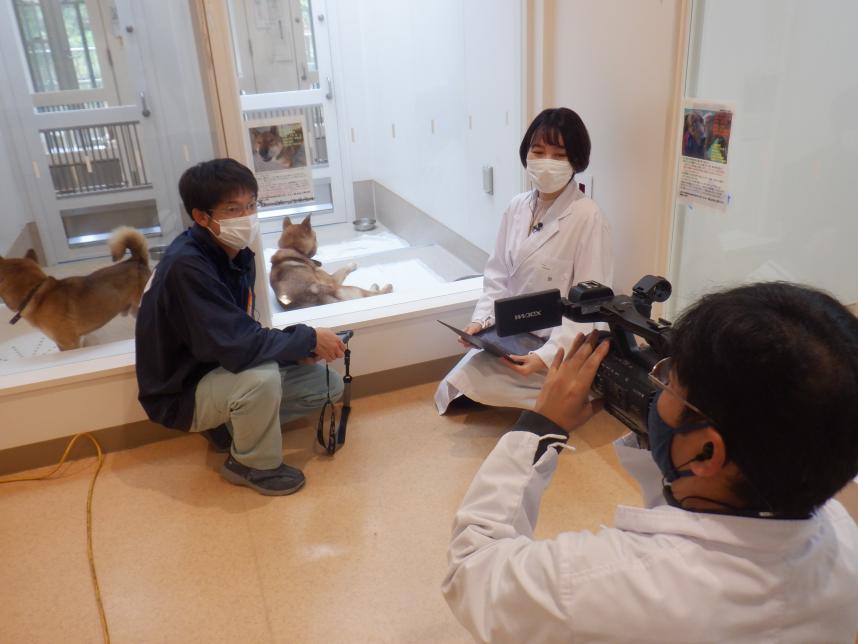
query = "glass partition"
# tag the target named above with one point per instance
(426, 105)
(788, 68)
(408, 121)
(96, 126)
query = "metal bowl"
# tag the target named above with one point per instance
(364, 223)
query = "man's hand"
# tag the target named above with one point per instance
(328, 345)
(563, 398)
(525, 365)
(472, 329)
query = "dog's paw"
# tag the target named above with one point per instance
(352, 266)
(284, 300)
(388, 288)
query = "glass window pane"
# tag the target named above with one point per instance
(58, 44)
(274, 45)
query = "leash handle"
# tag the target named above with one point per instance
(336, 433)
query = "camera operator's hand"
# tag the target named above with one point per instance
(564, 396)
(328, 345)
(472, 329)
(525, 365)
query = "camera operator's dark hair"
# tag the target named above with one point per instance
(552, 124)
(212, 182)
(775, 367)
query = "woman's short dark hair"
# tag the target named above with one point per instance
(209, 183)
(562, 127)
(775, 367)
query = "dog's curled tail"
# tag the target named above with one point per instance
(132, 239)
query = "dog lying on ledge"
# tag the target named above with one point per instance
(67, 309)
(297, 279)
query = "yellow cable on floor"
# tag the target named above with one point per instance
(43, 477)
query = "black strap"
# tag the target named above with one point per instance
(336, 434)
(27, 298)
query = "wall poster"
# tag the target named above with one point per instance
(280, 153)
(705, 144)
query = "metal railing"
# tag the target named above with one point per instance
(96, 158)
(314, 119)
(68, 107)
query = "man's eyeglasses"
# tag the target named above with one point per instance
(660, 377)
(237, 211)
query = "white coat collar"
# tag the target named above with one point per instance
(659, 518)
(560, 209)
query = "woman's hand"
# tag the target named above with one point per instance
(472, 329)
(525, 365)
(564, 398)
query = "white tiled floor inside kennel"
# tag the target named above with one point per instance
(21, 340)
(382, 258)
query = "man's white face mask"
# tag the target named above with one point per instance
(238, 232)
(549, 175)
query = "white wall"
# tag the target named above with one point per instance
(613, 63)
(407, 64)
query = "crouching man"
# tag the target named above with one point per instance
(753, 431)
(204, 364)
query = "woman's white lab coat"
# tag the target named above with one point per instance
(573, 245)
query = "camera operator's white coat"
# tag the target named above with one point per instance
(573, 245)
(662, 574)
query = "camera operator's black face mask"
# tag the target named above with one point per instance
(661, 439)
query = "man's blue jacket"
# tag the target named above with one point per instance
(197, 315)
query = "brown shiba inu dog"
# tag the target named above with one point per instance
(297, 279)
(269, 145)
(67, 309)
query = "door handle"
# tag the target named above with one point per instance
(146, 112)
(330, 93)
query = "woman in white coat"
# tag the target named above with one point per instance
(550, 237)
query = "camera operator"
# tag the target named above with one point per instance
(753, 430)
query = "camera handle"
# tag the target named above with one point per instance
(625, 320)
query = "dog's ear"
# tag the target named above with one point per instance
(286, 223)
(274, 130)
(31, 254)
(306, 222)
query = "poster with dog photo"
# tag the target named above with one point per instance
(705, 145)
(280, 154)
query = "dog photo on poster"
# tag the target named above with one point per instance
(706, 129)
(279, 153)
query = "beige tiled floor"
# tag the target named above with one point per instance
(357, 556)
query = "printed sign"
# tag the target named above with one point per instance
(706, 129)
(280, 160)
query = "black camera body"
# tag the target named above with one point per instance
(623, 377)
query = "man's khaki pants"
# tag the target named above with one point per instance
(254, 403)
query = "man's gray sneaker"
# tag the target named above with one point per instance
(280, 481)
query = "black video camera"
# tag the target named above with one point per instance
(623, 377)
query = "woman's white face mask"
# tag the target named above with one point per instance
(238, 232)
(549, 175)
